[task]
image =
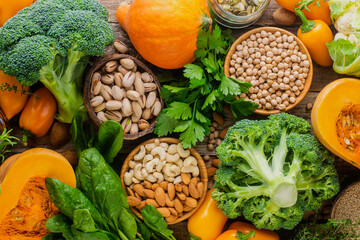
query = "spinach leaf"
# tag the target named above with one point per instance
(83, 221)
(68, 199)
(154, 220)
(100, 235)
(144, 231)
(53, 236)
(110, 140)
(58, 223)
(101, 184)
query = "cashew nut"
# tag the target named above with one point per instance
(128, 178)
(135, 180)
(169, 179)
(132, 164)
(147, 158)
(159, 151)
(171, 170)
(164, 145)
(172, 149)
(137, 172)
(183, 153)
(140, 154)
(157, 142)
(172, 158)
(159, 177)
(144, 173)
(160, 165)
(149, 166)
(194, 170)
(190, 161)
(150, 147)
(177, 180)
(151, 178)
(179, 163)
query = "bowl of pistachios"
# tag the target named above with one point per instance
(237, 13)
(123, 89)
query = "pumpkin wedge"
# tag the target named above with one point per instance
(335, 119)
(24, 200)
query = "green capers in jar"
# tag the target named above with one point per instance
(241, 7)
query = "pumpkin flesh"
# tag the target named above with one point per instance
(329, 104)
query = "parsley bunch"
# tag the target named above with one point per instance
(202, 89)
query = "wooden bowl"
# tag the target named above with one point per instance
(97, 68)
(193, 152)
(354, 198)
(303, 49)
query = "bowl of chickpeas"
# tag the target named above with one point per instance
(276, 63)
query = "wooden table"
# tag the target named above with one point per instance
(322, 76)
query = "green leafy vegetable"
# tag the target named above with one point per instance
(204, 88)
(83, 221)
(110, 140)
(241, 236)
(154, 220)
(6, 140)
(272, 170)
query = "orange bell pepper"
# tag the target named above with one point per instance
(208, 221)
(38, 114)
(12, 101)
(8, 9)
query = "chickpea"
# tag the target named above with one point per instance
(253, 96)
(256, 101)
(266, 86)
(286, 103)
(272, 37)
(292, 100)
(273, 44)
(273, 96)
(262, 101)
(247, 79)
(288, 92)
(263, 33)
(268, 105)
(237, 65)
(241, 79)
(273, 102)
(271, 90)
(234, 56)
(268, 98)
(286, 80)
(275, 70)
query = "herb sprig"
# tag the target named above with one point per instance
(202, 89)
(6, 140)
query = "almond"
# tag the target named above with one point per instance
(171, 191)
(160, 196)
(190, 202)
(151, 202)
(173, 211)
(187, 208)
(164, 211)
(178, 205)
(185, 189)
(131, 193)
(138, 196)
(223, 133)
(200, 188)
(171, 219)
(133, 201)
(194, 181)
(181, 196)
(164, 185)
(149, 193)
(178, 187)
(155, 186)
(211, 171)
(147, 184)
(215, 162)
(139, 189)
(142, 205)
(168, 202)
(193, 191)
(218, 118)
(185, 178)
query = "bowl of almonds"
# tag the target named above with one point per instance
(123, 89)
(161, 173)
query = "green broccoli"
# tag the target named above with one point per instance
(52, 41)
(272, 170)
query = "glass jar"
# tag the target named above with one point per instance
(233, 21)
(3, 121)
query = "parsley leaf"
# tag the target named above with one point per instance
(193, 71)
(179, 110)
(241, 108)
(193, 133)
(165, 124)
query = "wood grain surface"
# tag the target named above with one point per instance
(322, 76)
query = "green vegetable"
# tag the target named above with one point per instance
(58, 223)
(83, 221)
(205, 87)
(272, 170)
(331, 230)
(345, 49)
(241, 236)
(52, 42)
(6, 140)
(154, 220)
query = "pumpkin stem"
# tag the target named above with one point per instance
(206, 21)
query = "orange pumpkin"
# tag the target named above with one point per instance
(164, 32)
(8, 9)
(337, 97)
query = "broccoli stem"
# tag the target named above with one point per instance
(279, 155)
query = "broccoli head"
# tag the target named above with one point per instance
(273, 170)
(52, 42)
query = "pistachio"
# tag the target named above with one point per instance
(108, 78)
(127, 63)
(136, 109)
(113, 105)
(118, 79)
(117, 93)
(96, 77)
(134, 69)
(150, 100)
(126, 108)
(120, 47)
(146, 114)
(132, 95)
(146, 77)
(142, 101)
(113, 115)
(96, 101)
(130, 88)
(143, 124)
(128, 79)
(101, 116)
(122, 70)
(100, 107)
(139, 84)
(156, 108)
(126, 125)
(111, 66)
(96, 84)
(134, 129)
(105, 91)
(135, 118)
(149, 87)
(125, 115)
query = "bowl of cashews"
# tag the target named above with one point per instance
(160, 172)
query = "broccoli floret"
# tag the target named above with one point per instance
(272, 170)
(52, 41)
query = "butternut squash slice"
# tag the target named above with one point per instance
(24, 200)
(337, 99)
